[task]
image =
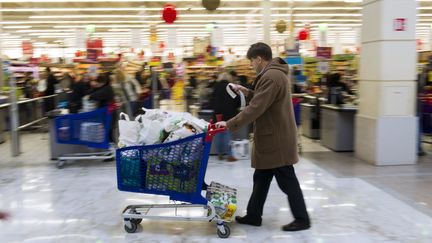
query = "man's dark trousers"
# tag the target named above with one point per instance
(288, 183)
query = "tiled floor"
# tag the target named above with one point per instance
(80, 203)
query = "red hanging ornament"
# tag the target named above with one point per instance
(303, 34)
(169, 13)
(161, 45)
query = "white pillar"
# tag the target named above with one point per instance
(428, 42)
(337, 47)
(1, 50)
(386, 123)
(322, 37)
(358, 37)
(266, 11)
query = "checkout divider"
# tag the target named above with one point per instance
(16, 116)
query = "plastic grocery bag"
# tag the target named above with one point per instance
(150, 131)
(199, 124)
(129, 131)
(240, 149)
(154, 114)
(183, 132)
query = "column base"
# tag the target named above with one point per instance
(386, 140)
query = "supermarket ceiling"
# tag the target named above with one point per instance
(55, 21)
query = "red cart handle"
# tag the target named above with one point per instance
(212, 131)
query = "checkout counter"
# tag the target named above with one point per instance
(310, 116)
(337, 127)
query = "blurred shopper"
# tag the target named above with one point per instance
(335, 87)
(234, 77)
(140, 74)
(101, 91)
(206, 92)
(103, 94)
(79, 88)
(193, 82)
(222, 104)
(275, 137)
(131, 89)
(51, 82)
(28, 85)
(67, 81)
(243, 81)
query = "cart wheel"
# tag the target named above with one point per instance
(136, 221)
(60, 164)
(133, 228)
(227, 232)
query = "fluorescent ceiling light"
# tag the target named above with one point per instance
(17, 27)
(40, 30)
(114, 30)
(100, 26)
(46, 34)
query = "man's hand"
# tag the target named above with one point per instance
(220, 124)
(237, 88)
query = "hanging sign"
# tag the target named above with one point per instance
(27, 48)
(324, 52)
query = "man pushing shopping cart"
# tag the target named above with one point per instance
(275, 137)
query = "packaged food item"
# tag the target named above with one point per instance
(224, 199)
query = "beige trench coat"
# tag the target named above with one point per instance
(271, 111)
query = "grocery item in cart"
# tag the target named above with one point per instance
(158, 126)
(224, 199)
(92, 132)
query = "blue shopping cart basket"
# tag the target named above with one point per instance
(88, 128)
(176, 169)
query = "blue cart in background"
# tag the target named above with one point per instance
(90, 129)
(176, 169)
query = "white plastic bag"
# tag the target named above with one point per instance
(154, 114)
(240, 149)
(183, 132)
(129, 131)
(150, 131)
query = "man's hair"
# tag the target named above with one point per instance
(260, 50)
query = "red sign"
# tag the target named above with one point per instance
(324, 52)
(399, 24)
(27, 48)
(94, 48)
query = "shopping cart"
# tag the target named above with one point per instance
(90, 129)
(296, 106)
(174, 169)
